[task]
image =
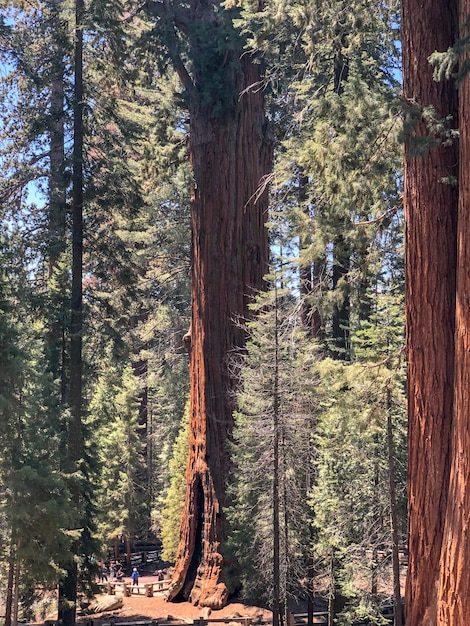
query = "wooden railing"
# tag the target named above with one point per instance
(319, 618)
(127, 588)
(293, 619)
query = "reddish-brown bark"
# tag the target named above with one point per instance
(230, 155)
(454, 596)
(431, 218)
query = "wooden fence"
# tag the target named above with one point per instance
(293, 620)
(128, 589)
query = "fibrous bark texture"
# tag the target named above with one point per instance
(230, 156)
(431, 219)
(454, 597)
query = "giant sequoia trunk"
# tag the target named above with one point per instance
(454, 597)
(430, 214)
(230, 155)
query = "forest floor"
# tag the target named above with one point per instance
(136, 608)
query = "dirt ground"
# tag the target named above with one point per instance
(138, 607)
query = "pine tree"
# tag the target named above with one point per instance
(338, 164)
(35, 497)
(271, 450)
(174, 500)
(114, 413)
(350, 499)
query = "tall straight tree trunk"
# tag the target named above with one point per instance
(230, 155)
(311, 276)
(57, 187)
(306, 268)
(454, 589)
(16, 593)
(430, 220)
(340, 342)
(277, 611)
(57, 223)
(9, 593)
(57, 209)
(397, 609)
(68, 587)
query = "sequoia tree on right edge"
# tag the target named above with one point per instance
(438, 325)
(430, 200)
(454, 587)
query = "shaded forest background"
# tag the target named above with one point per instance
(95, 293)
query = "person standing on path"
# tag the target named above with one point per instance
(135, 577)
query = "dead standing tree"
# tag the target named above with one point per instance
(231, 155)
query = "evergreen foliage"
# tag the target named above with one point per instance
(174, 499)
(276, 411)
(350, 499)
(114, 412)
(338, 173)
(34, 494)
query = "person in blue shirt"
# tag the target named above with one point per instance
(135, 577)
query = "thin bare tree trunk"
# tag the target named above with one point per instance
(430, 220)
(9, 594)
(16, 593)
(332, 590)
(277, 612)
(128, 551)
(397, 621)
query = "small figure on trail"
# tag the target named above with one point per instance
(112, 571)
(119, 575)
(135, 577)
(104, 573)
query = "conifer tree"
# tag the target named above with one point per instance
(271, 450)
(350, 498)
(35, 497)
(174, 500)
(337, 187)
(339, 145)
(114, 414)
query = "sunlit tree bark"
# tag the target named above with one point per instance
(454, 598)
(230, 154)
(430, 213)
